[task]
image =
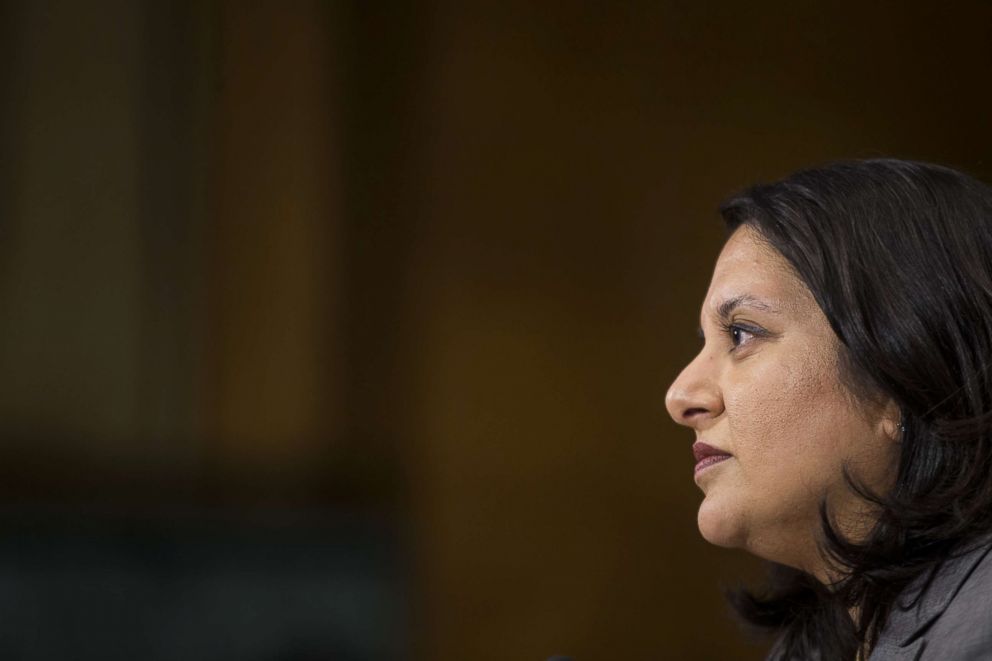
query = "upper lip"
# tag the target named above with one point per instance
(702, 450)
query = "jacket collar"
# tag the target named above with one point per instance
(913, 613)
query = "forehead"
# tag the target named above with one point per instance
(749, 267)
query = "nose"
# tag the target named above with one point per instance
(694, 398)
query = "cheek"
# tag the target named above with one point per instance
(781, 416)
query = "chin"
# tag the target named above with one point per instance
(719, 526)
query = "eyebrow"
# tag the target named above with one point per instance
(727, 307)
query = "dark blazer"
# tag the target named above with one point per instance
(953, 620)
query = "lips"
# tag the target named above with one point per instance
(706, 455)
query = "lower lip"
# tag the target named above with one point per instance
(711, 460)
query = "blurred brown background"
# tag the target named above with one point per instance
(425, 266)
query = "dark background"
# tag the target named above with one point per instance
(341, 330)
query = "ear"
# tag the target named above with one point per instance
(890, 421)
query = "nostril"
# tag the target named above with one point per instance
(691, 413)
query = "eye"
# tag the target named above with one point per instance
(738, 335)
(741, 334)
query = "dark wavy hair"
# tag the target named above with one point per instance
(898, 255)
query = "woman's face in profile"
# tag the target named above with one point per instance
(774, 425)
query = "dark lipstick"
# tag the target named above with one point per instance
(706, 455)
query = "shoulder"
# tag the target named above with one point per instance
(964, 629)
(952, 620)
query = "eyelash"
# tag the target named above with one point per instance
(729, 328)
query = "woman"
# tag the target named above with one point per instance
(842, 408)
